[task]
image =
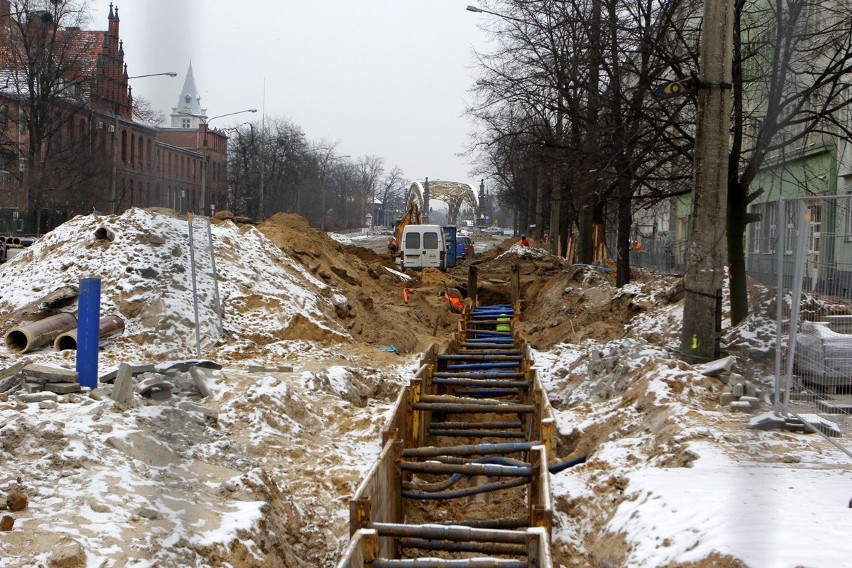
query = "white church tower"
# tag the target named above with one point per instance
(188, 112)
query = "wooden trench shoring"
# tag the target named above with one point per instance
(466, 448)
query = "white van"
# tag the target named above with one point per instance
(424, 246)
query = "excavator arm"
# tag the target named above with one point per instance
(412, 217)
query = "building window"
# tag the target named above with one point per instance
(7, 159)
(186, 123)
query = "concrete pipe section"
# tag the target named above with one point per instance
(108, 326)
(30, 335)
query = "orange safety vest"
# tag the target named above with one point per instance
(456, 304)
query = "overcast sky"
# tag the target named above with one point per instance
(389, 78)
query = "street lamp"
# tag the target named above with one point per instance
(114, 176)
(205, 157)
(478, 10)
(164, 73)
(206, 120)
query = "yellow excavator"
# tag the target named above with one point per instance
(412, 217)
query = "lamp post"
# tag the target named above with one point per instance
(114, 173)
(478, 10)
(205, 158)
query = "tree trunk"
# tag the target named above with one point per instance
(737, 222)
(585, 242)
(625, 221)
(553, 230)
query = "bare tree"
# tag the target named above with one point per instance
(389, 196)
(792, 65)
(44, 69)
(145, 113)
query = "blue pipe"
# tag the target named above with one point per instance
(456, 477)
(487, 488)
(88, 331)
(557, 467)
(507, 365)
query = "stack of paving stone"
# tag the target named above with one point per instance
(38, 378)
(739, 393)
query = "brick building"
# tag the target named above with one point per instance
(78, 147)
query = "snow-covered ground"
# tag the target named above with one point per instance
(258, 472)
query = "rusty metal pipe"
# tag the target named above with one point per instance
(30, 335)
(448, 532)
(477, 434)
(108, 326)
(474, 408)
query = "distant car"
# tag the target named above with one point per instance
(464, 248)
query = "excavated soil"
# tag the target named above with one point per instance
(559, 304)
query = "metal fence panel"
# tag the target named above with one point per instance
(205, 285)
(810, 247)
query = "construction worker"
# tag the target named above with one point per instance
(525, 242)
(504, 323)
(456, 305)
(392, 247)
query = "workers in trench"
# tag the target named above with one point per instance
(456, 305)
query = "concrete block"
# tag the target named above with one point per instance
(63, 388)
(819, 423)
(834, 407)
(736, 379)
(37, 396)
(134, 370)
(50, 374)
(122, 392)
(717, 367)
(11, 377)
(738, 390)
(741, 406)
(199, 377)
(726, 397)
(750, 389)
(768, 421)
(12, 382)
(752, 400)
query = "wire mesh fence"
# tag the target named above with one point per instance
(803, 248)
(659, 255)
(205, 285)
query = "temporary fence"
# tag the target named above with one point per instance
(811, 248)
(205, 287)
(659, 255)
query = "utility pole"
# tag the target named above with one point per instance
(706, 249)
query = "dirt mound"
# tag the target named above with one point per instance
(373, 310)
